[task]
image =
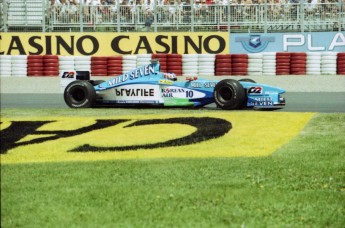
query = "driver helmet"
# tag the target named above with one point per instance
(170, 76)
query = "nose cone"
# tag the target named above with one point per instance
(280, 90)
(273, 89)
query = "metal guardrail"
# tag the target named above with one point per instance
(35, 15)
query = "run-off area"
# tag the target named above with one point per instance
(211, 134)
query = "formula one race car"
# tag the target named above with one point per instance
(147, 86)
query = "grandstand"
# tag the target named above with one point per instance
(24, 14)
(172, 15)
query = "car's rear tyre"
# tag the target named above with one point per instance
(80, 94)
(229, 94)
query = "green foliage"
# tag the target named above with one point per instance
(300, 185)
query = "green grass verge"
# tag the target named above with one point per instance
(300, 185)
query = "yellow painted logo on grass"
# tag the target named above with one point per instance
(214, 134)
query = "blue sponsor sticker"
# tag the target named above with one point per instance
(260, 101)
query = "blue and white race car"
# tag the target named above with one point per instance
(147, 86)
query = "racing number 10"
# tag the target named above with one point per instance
(189, 93)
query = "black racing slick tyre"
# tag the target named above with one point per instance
(229, 94)
(80, 94)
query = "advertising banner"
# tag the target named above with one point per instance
(107, 44)
(287, 42)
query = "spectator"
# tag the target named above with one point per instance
(247, 9)
(160, 11)
(63, 14)
(171, 10)
(180, 5)
(323, 14)
(147, 8)
(186, 12)
(210, 4)
(128, 10)
(197, 7)
(86, 10)
(294, 5)
(225, 10)
(55, 2)
(93, 10)
(286, 10)
(148, 21)
(73, 11)
(275, 9)
(238, 10)
(311, 8)
(105, 11)
(54, 8)
(95, 2)
(113, 9)
(203, 11)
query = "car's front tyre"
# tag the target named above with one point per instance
(80, 94)
(229, 94)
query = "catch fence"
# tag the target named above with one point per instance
(38, 15)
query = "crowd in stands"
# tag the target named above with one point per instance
(167, 10)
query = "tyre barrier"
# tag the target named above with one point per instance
(341, 63)
(266, 63)
(129, 62)
(298, 63)
(329, 63)
(283, 63)
(5, 65)
(269, 63)
(174, 64)
(35, 65)
(66, 63)
(50, 65)
(82, 63)
(189, 65)
(239, 63)
(99, 65)
(18, 65)
(255, 64)
(223, 65)
(143, 59)
(114, 65)
(206, 64)
(313, 63)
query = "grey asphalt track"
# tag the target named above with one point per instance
(327, 102)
